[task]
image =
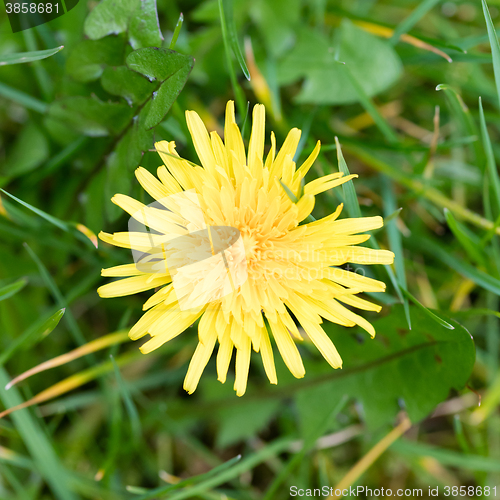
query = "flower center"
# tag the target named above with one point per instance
(251, 245)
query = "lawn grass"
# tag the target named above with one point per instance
(373, 81)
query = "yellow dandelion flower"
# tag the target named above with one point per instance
(227, 246)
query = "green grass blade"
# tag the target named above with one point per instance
(56, 222)
(226, 474)
(354, 210)
(392, 216)
(428, 192)
(294, 199)
(490, 158)
(233, 37)
(40, 448)
(11, 457)
(60, 158)
(133, 414)
(44, 80)
(371, 109)
(447, 457)
(60, 299)
(78, 230)
(177, 30)
(288, 191)
(351, 200)
(461, 234)
(70, 383)
(407, 24)
(467, 313)
(466, 270)
(24, 57)
(308, 444)
(192, 480)
(462, 113)
(32, 335)
(238, 92)
(24, 99)
(427, 311)
(12, 289)
(495, 46)
(395, 241)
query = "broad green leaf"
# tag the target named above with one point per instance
(170, 69)
(152, 80)
(89, 58)
(138, 17)
(109, 18)
(90, 116)
(244, 421)
(24, 57)
(157, 64)
(128, 84)
(124, 159)
(10, 290)
(165, 97)
(30, 150)
(128, 154)
(278, 21)
(144, 28)
(416, 367)
(372, 62)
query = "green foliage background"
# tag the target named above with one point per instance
(76, 122)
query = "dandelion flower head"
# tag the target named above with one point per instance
(279, 275)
